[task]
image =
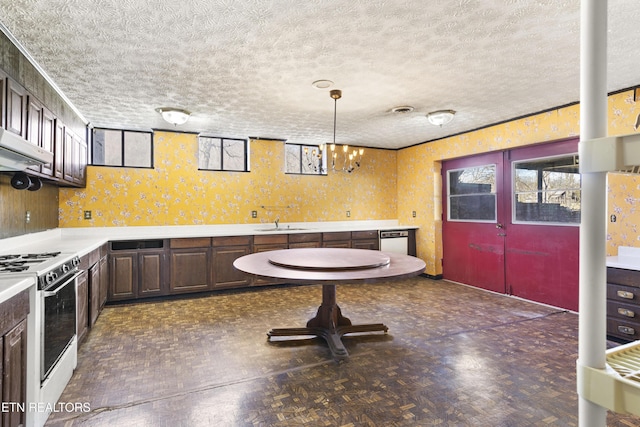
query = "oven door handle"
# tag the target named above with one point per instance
(62, 285)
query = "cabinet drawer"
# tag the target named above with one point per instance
(197, 242)
(271, 239)
(620, 310)
(622, 293)
(339, 235)
(620, 276)
(623, 329)
(304, 237)
(369, 234)
(232, 241)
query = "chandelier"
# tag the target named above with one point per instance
(351, 158)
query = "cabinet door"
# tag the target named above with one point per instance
(263, 248)
(104, 281)
(94, 293)
(224, 273)
(69, 164)
(34, 126)
(14, 374)
(151, 274)
(16, 109)
(3, 99)
(48, 139)
(189, 270)
(58, 150)
(123, 275)
(82, 305)
(365, 244)
(80, 154)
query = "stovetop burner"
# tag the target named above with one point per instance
(14, 268)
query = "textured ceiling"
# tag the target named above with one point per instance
(245, 67)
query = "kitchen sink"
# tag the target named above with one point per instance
(281, 229)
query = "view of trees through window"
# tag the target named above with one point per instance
(222, 154)
(547, 190)
(472, 194)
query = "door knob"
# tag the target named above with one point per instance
(498, 225)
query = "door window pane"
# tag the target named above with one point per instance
(547, 190)
(472, 194)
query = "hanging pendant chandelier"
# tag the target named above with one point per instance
(350, 159)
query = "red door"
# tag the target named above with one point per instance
(543, 235)
(473, 246)
(527, 243)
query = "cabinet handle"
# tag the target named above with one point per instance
(626, 330)
(626, 312)
(625, 294)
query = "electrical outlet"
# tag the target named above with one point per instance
(613, 218)
(413, 214)
(87, 214)
(27, 217)
(254, 214)
(348, 214)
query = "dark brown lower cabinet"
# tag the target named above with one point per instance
(137, 269)
(365, 240)
(623, 304)
(338, 239)
(225, 251)
(13, 347)
(305, 240)
(269, 242)
(189, 265)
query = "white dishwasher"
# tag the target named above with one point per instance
(395, 241)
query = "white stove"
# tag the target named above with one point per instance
(46, 266)
(52, 343)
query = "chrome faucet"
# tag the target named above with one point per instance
(277, 222)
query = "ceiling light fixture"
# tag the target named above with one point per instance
(175, 116)
(402, 109)
(354, 157)
(440, 117)
(322, 84)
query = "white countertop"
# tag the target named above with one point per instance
(84, 240)
(628, 258)
(12, 286)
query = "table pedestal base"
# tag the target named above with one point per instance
(329, 324)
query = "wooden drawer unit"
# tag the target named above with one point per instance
(623, 303)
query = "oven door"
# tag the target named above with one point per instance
(59, 321)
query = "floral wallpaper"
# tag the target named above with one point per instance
(175, 192)
(390, 184)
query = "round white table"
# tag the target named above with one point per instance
(330, 267)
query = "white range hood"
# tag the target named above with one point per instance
(16, 153)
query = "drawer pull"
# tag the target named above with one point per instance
(626, 330)
(626, 312)
(625, 294)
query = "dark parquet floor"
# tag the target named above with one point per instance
(453, 356)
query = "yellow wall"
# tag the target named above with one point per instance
(175, 192)
(419, 180)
